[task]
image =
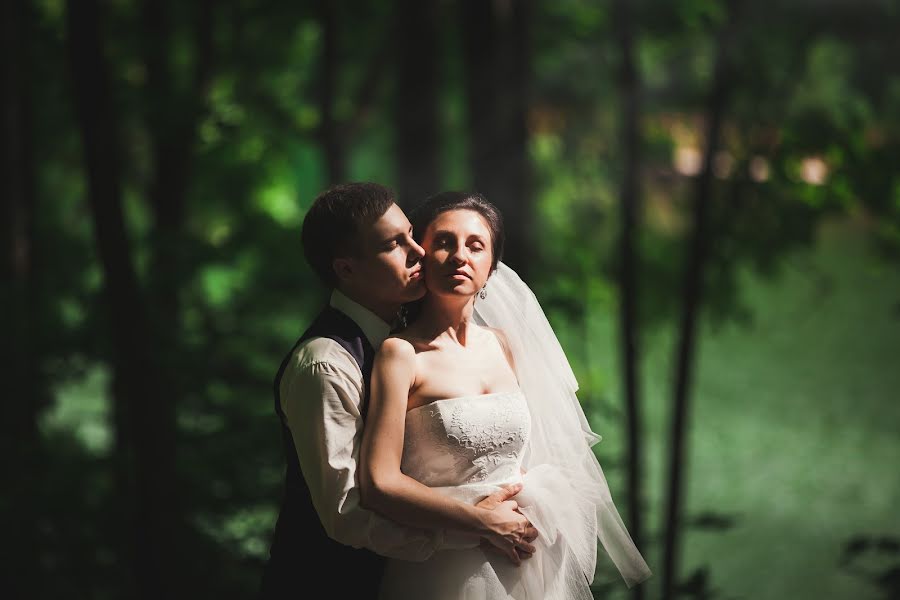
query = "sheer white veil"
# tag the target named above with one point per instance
(560, 434)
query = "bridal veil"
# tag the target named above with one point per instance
(561, 436)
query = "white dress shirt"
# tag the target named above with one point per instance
(320, 392)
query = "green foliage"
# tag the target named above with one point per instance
(811, 135)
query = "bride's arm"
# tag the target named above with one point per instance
(387, 490)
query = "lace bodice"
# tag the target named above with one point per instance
(470, 447)
(469, 439)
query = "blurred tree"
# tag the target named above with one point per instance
(199, 201)
(22, 300)
(694, 287)
(415, 117)
(496, 48)
(629, 84)
(173, 113)
(138, 376)
(329, 131)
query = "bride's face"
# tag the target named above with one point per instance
(458, 253)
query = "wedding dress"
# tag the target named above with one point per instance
(467, 448)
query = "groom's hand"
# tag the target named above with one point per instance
(498, 498)
(523, 549)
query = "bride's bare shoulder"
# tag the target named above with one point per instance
(497, 333)
(396, 348)
(502, 340)
(405, 343)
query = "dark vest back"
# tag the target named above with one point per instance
(302, 555)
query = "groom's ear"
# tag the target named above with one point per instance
(343, 268)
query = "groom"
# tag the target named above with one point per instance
(359, 243)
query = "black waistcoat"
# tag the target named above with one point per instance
(302, 556)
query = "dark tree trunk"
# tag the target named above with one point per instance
(167, 122)
(630, 198)
(19, 440)
(138, 376)
(691, 304)
(329, 130)
(172, 118)
(497, 56)
(416, 116)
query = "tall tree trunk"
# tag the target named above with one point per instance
(19, 440)
(166, 122)
(691, 304)
(630, 199)
(416, 114)
(172, 119)
(329, 131)
(138, 375)
(497, 56)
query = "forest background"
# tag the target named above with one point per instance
(704, 195)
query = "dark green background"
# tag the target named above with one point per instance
(219, 122)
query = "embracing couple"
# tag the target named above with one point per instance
(435, 446)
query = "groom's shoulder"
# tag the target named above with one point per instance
(317, 353)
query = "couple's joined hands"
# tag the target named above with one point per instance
(511, 534)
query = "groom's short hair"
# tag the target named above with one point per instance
(333, 223)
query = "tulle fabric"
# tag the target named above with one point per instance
(561, 438)
(555, 572)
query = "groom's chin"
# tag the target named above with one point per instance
(415, 290)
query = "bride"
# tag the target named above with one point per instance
(476, 394)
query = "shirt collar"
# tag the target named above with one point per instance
(372, 326)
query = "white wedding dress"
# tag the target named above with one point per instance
(467, 448)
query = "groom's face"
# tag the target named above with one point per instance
(386, 271)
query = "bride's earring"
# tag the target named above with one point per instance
(483, 293)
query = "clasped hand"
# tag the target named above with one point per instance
(511, 533)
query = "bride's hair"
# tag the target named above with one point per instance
(423, 215)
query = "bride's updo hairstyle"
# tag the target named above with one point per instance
(423, 215)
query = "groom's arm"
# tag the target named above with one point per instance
(320, 394)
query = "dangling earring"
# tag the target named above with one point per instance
(483, 293)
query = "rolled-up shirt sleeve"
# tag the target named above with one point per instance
(320, 395)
